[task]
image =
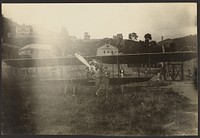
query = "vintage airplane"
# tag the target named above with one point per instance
(141, 58)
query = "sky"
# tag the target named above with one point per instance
(170, 20)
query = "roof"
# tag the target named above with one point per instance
(37, 46)
(106, 47)
(10, 45)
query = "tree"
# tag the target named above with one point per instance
(133, 36)
(172, 47)
(147, 37)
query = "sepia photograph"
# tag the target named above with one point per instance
(99, 69)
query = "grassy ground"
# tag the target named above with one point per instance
(143, 109)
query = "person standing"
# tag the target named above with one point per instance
(106, 80)
(145, 73)
(88, 73)
(102, 79)
(122, 72)
(158, 75)
(189, 74)
(97, 77)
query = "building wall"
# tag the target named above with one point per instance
(21, 31)
(86, 36)
(103, 52)
(107, 49)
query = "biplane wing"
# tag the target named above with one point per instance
(149, 58)
(142, 58)
(85, 81)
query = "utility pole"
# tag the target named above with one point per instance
(163, 49)
(163, 63)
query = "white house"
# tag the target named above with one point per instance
(107, 49)
(36, 51)
(23, 29)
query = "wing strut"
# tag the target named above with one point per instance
(80, 71)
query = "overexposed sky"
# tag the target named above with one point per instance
(105, 20)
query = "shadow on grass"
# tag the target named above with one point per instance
(142, 112)
(16, 117)
(143, 109)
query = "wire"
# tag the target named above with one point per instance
(80, 70)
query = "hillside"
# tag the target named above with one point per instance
(64, 46)
(90, 47)
(187, 43)
(8, 26)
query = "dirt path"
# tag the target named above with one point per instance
(186, 89)
(185, 122)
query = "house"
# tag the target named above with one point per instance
(36, 51)
(23, 29)
(107, 49)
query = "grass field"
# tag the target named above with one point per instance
(143, 109)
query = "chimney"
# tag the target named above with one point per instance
(86, 36)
